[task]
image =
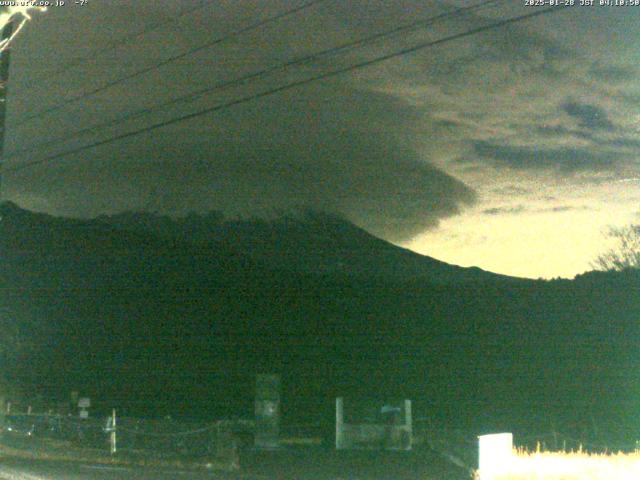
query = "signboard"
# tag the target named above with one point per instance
(495, 454)
(84, 402)
(267, 411)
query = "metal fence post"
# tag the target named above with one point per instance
(339, 423)
(267, 411)
(4, 411)
(113, 439)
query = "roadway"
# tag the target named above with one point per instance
(294, 465)
(21, 469)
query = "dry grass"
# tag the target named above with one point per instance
(579, 465)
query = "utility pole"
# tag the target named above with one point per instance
(18, 17)
(9, 29)
(6, 34)
(5, 55)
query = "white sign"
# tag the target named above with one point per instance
(495, 455)
(84, 402)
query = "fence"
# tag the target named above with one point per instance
(150, 438)
(385, 426)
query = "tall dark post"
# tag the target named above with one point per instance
(7, 31)
(267, 411)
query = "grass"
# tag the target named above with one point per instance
(525, 465)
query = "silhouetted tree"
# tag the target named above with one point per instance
(625, 254)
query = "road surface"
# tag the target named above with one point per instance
(19, 469)
(279, 465)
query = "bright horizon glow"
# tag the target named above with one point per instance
(532, 245)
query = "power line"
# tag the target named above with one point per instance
(287, 86)
(265, 71)
(126, 39)
(253, 26)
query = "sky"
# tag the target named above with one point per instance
(513, 149)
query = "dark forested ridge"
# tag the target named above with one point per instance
(157, 318)
(308, 242)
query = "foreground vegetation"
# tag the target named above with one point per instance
(578, 465)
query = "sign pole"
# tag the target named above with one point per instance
(112, 439)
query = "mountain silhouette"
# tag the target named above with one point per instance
(158, 316)
(309, 242)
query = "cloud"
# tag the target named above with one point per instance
(331, 148)
(517, 209)
(562, 208)
(628, 98)
(446, 124)
(559, 131)
(563, 160)
(624, 142)
(504, 210)
(512, 190)
(612, 73)
(588, 116)
(348, 147)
